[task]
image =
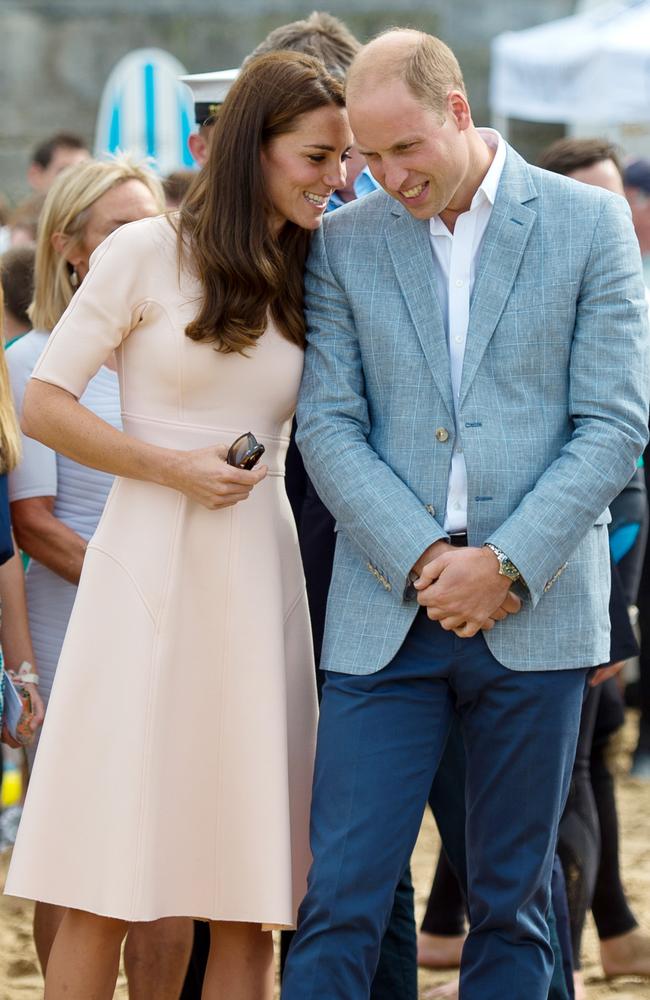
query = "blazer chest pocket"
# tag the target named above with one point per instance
(541, 300)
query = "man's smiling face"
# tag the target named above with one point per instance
(419, 157)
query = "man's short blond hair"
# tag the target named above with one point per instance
(427, 66)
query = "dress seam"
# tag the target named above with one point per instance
(226, 663)
(186, 423)
(293, 605)
(138, 875)
(109, 555)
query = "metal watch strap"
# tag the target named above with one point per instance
(506, 566)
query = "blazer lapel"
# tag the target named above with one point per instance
(506, 236)
(412, 256)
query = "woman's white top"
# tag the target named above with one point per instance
(80, 494)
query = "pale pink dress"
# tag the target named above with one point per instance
(174, 770)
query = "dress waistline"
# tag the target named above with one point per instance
(185, 437)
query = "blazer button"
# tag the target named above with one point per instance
(430, 509)
(442, 434)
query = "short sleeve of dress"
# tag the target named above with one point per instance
(36, 473)
(107, 306)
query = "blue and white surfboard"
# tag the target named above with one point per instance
(146, 111)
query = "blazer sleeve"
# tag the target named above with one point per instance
(104, 310)
(375, 508)
(608, 392)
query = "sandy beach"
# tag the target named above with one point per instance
(20, 978)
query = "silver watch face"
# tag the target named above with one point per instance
(510, 572)
(507, 568)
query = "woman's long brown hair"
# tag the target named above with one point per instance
(246, 269)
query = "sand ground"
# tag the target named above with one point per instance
(20, 978)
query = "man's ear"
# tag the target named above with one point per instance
(35, 176)
(198, 147)
(459, 109)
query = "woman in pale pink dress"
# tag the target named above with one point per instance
(174, 771)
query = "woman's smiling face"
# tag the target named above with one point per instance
(302, 168)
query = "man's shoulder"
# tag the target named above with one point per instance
(361, 216)
(566, 192)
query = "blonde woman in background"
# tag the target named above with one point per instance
(56, 503)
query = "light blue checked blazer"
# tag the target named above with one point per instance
(553, 411)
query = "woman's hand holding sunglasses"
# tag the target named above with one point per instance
(204, 476)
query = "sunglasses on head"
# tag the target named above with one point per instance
(245, 452)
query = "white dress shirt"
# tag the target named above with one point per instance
(456, 257)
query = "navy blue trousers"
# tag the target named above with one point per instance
(381, 737)
(447, 802)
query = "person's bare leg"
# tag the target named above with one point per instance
(449, 992)
(156, 955)
(438, 951)
(240, 966)
(579, 986)
(626, 954)
(47, 919)
(85, 957)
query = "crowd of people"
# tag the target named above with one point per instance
(425, 590)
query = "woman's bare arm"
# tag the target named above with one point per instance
(45, 538)
(14, 633)
(55, 417)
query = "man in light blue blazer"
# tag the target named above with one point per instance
(475, 394)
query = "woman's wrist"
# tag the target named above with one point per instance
(171, 468)
(26, 673)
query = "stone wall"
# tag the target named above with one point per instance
(55, 55)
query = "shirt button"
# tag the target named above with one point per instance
(458, 340)
(457, 506)
(458, 450)
(430, 509)
(442, 434)
(459, 283)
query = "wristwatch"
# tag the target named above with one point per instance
(506, 566)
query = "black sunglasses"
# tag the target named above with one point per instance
(245, 452)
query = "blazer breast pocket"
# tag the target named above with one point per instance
(534, 334)
(538, 297)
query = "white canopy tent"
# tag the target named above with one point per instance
(591, 67)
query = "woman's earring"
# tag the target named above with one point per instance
(74, 278)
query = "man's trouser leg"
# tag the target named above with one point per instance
(520, 731)
(380, 738)
(396, 975)
(447, 801)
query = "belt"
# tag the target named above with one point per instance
(458, 540)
